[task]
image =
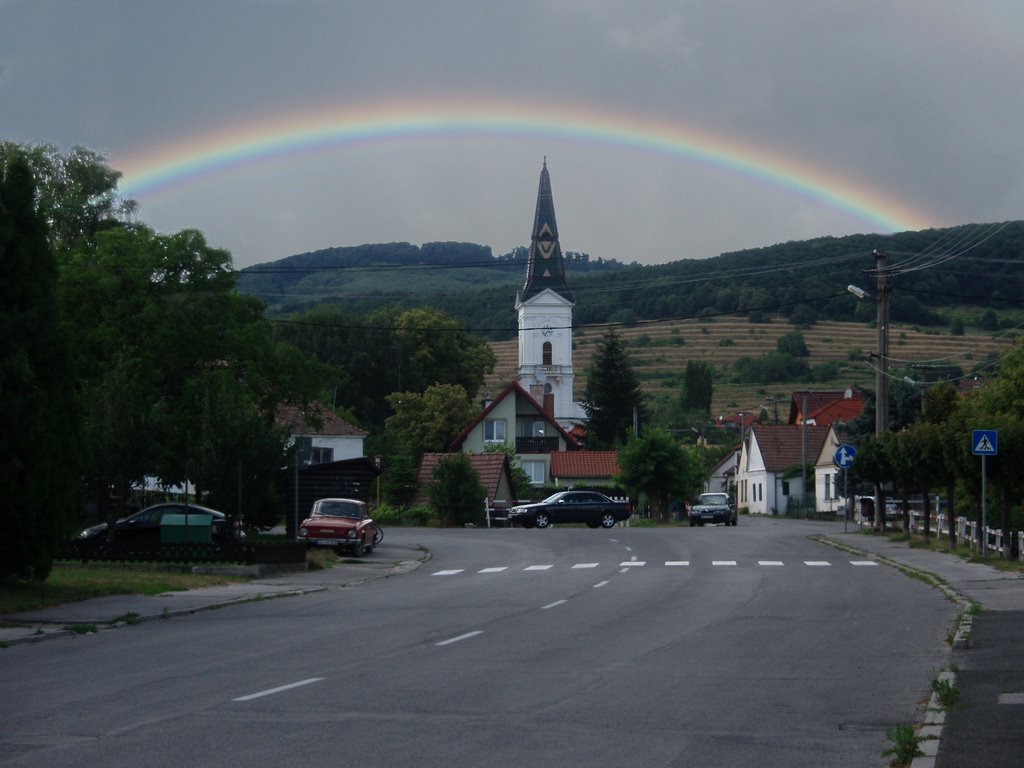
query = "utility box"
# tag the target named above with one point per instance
(194, 528)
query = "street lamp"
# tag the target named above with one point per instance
(882, 364)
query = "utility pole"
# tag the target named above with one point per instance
(881, 372)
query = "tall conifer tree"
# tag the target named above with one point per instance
(38, 417)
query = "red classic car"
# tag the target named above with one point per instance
(340, 523)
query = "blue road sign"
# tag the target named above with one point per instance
(985, 442)
(845, 454)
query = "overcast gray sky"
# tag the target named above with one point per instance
(673, 128)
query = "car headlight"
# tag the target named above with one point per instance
(303, 532)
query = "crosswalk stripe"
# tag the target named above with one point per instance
(817, 563)
(723, 562)
(770, 562)
(493, 570)
(585, 565)
(537, 567)
(676, 563)
(863, 562)
(451, 572)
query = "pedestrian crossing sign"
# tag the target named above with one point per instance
(985, 442)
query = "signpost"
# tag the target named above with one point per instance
(843, 458)
(984, 443)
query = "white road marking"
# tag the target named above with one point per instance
(553, 605)
(537, 567)
(448, 573)
(863, 562)
(585, 565)
(600, 584)
(770, 562)
(279, 689)
(817, 563)
(630, 563)
(723, 562)
(466, 636)
(671, 563)
(629, 549)
(493, 570)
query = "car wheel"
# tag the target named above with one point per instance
(368, 548)
(607, 520)
(542, 520)
(358, 548)
(378, 537)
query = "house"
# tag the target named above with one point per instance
(768, 478)
(823, 407)
(829, 486)
(570, 469)
(334, 440)
(722, 477)
(492, 468)
(515, 417)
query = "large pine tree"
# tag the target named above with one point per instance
(38, 416)
(613, 395)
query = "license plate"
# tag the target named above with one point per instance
(326, 542)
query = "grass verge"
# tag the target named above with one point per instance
(71, 584)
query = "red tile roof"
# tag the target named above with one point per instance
(826, 406)
(584, 464)
(489, 466)
(293, 419)
(781, 445)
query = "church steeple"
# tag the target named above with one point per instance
(545, 268)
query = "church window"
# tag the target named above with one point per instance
(547, 353)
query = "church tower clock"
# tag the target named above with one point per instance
(544, 306)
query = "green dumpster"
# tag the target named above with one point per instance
(195, 528)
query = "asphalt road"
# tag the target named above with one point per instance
(746, 646)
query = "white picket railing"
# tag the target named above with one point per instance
(967, 533)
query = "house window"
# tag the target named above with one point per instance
(547, 353)
(785, 487)
(494, 431)
(321, 455)
(828, 486)
(535, 470)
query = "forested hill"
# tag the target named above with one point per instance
(931, 270)
(365, 277)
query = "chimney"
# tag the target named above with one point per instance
(486, 401)
(549, 404)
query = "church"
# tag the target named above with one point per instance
(536, 412)
(544, 308)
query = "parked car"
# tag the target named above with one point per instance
(343, 524)
(144, 525)
(590, 507)
(713, 508)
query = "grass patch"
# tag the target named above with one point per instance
(70, 584)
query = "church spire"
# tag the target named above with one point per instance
(545, 268)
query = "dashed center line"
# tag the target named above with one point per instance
(460, 638)
(538, 567)
(600, 584)
(553, 605)
(770, 562)
(279, 689)
(677, 563)
(723, 562)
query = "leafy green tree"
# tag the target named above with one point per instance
(698, 388)
(520, 480)
(389, 351)
(793, 344)
(456, 493)
(76, 193)
(658, 466)
(871, 465)
(428, 422)
(612, 396)
(39, 418)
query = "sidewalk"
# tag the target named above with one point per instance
(986, 726)
(118, 610)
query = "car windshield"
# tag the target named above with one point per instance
(554, 498)
(339, 509)
(713, 499)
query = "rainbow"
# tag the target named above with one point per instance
(153, 171)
